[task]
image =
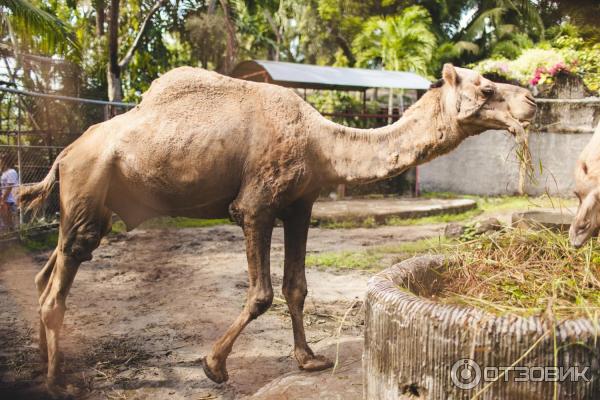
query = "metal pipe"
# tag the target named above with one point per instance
(66, 98)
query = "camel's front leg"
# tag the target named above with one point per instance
(294, 283)
(257, 230)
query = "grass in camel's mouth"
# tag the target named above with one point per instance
(524, 272)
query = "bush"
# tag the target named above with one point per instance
(540, 65)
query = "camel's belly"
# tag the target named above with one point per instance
(184, 184)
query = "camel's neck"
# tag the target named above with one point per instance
(361, 155)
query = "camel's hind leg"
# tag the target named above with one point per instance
(82, 227)
(41, 282)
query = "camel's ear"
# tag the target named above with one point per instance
(449, 74)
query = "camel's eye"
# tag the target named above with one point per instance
(488, 90)
(584, 227)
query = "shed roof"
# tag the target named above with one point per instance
(319, 77)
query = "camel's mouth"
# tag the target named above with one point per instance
(519, 124)
(525, 123)
(522, 112)
(518, 128)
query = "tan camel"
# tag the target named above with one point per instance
(208, 146)
(587, 189)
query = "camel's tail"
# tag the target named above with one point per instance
(32, 197)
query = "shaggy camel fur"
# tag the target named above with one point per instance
(208, 146)
(587, 189)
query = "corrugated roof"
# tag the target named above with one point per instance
(318, 77)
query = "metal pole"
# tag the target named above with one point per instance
(364, 101)
(401, 102)
(390, 105)
(19, 158)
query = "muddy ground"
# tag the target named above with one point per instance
(152, 302)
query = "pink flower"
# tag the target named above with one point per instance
(557, 68)
(537, 76)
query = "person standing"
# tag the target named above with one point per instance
(9, 181)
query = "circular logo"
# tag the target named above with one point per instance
(465, 374)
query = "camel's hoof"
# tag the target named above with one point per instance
(57, 391)
(215, 375)
(316, 363)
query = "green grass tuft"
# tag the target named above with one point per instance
(40, 241)
(172, 222)
(375, 258)
(344, 260)
(484, 204)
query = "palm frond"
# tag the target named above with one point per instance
(463, 46)
(477, 26)
(29, 21)
(401, 42)
(530, 14)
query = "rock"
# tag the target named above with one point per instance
(454, 230)
(345, 383)
(555, 220)
(488, 225)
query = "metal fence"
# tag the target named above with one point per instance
(34, 128)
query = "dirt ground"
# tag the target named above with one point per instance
(151, 303)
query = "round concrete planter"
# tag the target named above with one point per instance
(412, 345)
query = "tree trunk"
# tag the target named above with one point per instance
(345, 49)
(99, 6)
(115, 93)
(277, 33)
(212, 7)
(116, 67)
(113, 71)
(231, 40)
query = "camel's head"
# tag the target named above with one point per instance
(479, 104)
(587, 189)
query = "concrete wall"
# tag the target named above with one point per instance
(487, 164)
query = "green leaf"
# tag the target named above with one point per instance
(28, 20)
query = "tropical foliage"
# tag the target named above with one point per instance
(43, 30)
(402, 42)
(541, 64)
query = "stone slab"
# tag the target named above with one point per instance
(553, 219)
(380, 210)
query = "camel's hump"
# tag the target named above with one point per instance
(181, 81)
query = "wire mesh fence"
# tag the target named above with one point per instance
(28, 164)
(34, 128)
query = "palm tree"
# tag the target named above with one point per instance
(495, 22)
(26, 20)
(403, 42)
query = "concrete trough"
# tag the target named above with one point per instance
(417, 347)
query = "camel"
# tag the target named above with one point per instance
(205, 145)
(587, 189)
